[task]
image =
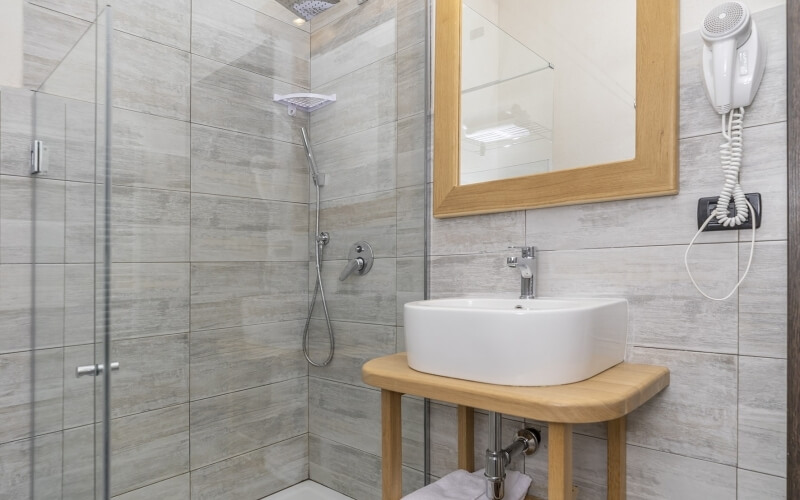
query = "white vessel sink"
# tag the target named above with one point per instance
(523, 342)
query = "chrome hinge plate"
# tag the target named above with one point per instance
(38, 158)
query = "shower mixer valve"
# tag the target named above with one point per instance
(359, 260)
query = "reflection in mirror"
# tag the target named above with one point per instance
(546, 86)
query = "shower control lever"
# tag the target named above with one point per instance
(359, 260)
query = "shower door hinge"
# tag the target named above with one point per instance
(38, 158)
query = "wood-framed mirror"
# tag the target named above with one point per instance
(650, 170)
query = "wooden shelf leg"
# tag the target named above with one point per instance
(391, 445)
(617, 467)
(466, 438)
(559, 456)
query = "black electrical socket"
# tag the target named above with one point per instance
(707, 205)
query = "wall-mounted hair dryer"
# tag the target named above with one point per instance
(733, 57)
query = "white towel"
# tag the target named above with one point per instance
(461, 485)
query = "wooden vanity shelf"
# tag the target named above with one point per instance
(606, 397)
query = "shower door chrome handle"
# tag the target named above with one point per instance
(94, 370)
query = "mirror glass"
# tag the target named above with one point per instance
(546, 86)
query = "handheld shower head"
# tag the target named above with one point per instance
(319, 179)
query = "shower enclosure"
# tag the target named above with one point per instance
(170, 233)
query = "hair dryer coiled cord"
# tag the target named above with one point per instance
(730, 153)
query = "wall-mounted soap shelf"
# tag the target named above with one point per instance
(304, 101)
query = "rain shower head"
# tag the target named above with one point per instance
(308, 8)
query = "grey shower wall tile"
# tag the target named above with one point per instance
(149, 299)
(410, 283)
(345, 414)
(358, 164)
(343, 9)
(370, 217)
(80, 393)
(235, 164)
(251, 475)
(247, 293)
(150, 77)
(356, 343)
(411, 213)
(79, 154)
(231, 33)
(16, 131)
(762, 300)
(148, 447)
(80, 220)
(353, 41)
(353, 472)
(232, 359)
(176, 488)
(411, 148)
(76, 75)
(664, 309)
(80, 451)
(16, 314)
(411, 23)
(755, 486)
(49, 36)
(769, 106)
(370, 298)
(82, 9)
(232, 424)
(277, 11)
(79, 296)
(234, 99)
(762, 415)
(610, 224)
(478, 234)
(150, 151)
(702, 396)
(149, 225)
(411, 82)
(163, 21)
(15, 473)
(31, 205)
(365, 99)
(475, 274)
(225, 228)
(17, 406)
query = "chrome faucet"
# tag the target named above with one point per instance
(527, 269)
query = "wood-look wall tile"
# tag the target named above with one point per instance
(370, 298)
(357, 164)
(369, 217)
(79, 296)
(29, 205)
(16, 129)
(769, 106)
(79, 153)
(150, 151)
(411, 221)
(176, 488)
(478, 234)
(346, 414)
(411, 24)
(350, 471)
(16, 314)
(764, 171)
(49, 36)
(149, 225)
(149, 447)
(762, 415)
(275, 10)
(231, 33)
(410, 283)
(762, 300)
(150, 77)
(81, 459)
(149, 299)
(234, 164)
(15, 468)
(354, 41)
(235, 423)
(225, 228)
(252, 475)
(343, 9)
(167, 22)
(472, 274)
(755, 486)
(365, 98)
(411, 147)
(356, 343)
(411, 84)
(664, 309)
(232, 359)
(79, 241)
(702, 396)
(76, 75)
(16, 407)
(247, 293)
(234, 99)
(82, 9)
(80, 393)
